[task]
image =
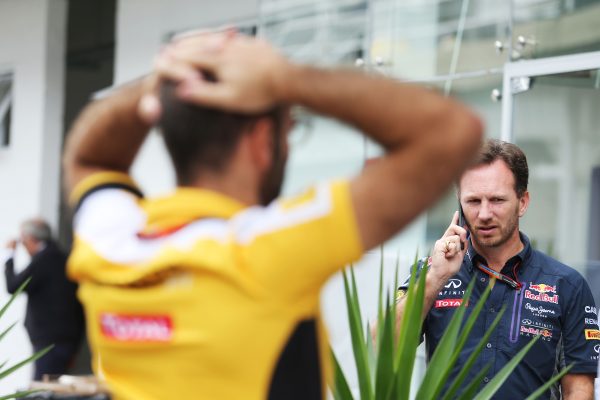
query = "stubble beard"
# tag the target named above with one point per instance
(506, 233)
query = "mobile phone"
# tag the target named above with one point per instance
(461, 222)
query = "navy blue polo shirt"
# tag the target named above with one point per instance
(555, 302)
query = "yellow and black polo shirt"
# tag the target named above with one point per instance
(195, 296)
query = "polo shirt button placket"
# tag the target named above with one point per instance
(486, 379)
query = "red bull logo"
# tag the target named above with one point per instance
(535, 331)
(541, 297)
(543, 288)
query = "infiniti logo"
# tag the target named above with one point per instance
(526, 322)
(597, 348)
(453, 283)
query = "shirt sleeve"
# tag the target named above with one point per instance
(99, 181)
(294, 245)
(106, 213)
(581, 336)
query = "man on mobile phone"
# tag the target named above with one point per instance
(542, 296)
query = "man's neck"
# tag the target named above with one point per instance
(239, 186)
(498, 256)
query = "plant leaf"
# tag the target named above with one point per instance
(464, 372)
(493, 386)
(6, 331)
(358, 342)
(472, 387)
(371, 353)
(14, 296)
(385, 358)
(443, 359)
(34, 357)
(540, 391)
(410, 333)
(340, 390)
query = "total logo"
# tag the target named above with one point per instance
(448, 303)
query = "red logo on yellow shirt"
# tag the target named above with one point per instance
(136, 328)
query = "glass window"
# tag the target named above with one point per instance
(323, 32)
(544, 28)
(424, 39)
(556, 124)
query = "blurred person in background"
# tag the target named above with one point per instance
(54, 316)
(212, 292)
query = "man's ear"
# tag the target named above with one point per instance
(261, 143)
(523, 203)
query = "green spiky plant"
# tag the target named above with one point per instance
(4, 372)
(384, 367)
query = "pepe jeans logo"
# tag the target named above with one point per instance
(539, 311)
(453, 284)
(136, 328)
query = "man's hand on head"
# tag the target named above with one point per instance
(222, 70)
(11, 244)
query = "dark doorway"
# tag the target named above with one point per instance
(89, 67)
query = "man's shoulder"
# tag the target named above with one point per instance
(548, 265)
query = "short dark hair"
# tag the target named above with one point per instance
(201, 137)
(512, 155)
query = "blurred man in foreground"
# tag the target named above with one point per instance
(542, 296)
(212, 292)
(54, 316)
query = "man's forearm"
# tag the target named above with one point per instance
(106, 136)
(429, 140)
(432, 287)
(391, 114)
(577, 387)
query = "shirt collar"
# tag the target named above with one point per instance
(186, 205)
(472, 257)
